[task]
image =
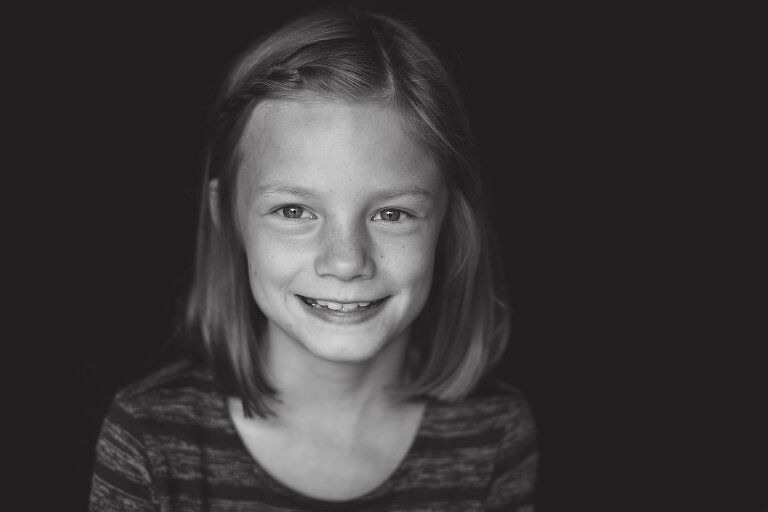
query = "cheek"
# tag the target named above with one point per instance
(270, 261)
(411, 261)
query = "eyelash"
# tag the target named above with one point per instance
(397, 211)
(282, 210)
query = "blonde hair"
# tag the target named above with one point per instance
(359, 57)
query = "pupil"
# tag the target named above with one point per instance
(391, 215)
(293, 212)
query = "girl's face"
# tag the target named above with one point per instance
(340, 212)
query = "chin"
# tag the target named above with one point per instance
(343, 351)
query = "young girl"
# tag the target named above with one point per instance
(344, 302)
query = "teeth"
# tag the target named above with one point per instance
(336, 306)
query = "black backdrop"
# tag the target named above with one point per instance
(575, 109)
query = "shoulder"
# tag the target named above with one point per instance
(152, 424)
(495, 414)
(511, 441)
(492, 426)
(493, 404)
(177, 393)
(178, 376)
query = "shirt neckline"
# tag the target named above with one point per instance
(317, 503)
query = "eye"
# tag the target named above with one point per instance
(389, 215)
(295, 212)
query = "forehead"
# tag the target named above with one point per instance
(328, 144)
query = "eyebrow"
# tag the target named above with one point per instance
(402, 191)
(278, 187)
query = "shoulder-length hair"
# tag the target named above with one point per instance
(356, 57)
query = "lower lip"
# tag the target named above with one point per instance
(344, 317)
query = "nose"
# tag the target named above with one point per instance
(344, 252)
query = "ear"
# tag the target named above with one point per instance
(213, 202)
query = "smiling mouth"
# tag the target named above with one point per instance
(344, 307)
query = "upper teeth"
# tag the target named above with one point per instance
(338, 306)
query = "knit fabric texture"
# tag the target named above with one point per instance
(169, 444)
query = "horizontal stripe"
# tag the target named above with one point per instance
(514, 456)
(192, 433)
(488, 437)
(106, 480)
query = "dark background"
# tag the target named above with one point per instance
(588, 120)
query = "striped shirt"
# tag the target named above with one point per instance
(168, 443)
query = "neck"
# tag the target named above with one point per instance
(308, 385)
